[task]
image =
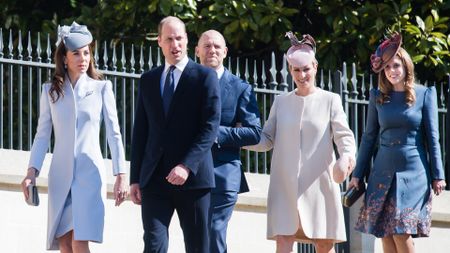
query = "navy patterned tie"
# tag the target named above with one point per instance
(168, 89)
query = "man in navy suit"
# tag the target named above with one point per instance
(239, 126)
(176, 123)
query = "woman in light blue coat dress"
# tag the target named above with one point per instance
(403, 119)
(73, 105)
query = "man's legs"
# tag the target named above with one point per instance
(193, 211)
(222, 205)
(157, 210)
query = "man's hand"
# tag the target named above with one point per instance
(135, 194)
(178, 175)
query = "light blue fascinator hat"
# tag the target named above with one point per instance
(74, 36)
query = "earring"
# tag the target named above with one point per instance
(65, 66)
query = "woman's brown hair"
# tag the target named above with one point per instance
(56, 89)
(386, 87)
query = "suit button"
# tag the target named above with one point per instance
(161, 149)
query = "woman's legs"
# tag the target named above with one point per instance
(65, 242)
(388, 244)
(404, 243)
(80, 246)
(68, 245)
(285, 243)
(324, 246)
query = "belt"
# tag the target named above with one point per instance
(399, 142)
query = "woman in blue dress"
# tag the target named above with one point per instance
(403, 120)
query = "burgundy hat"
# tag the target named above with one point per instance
(301, 52)
(385, 52)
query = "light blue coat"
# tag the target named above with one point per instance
(77, 164)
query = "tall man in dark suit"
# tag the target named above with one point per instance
(239, 126)
(176, 123)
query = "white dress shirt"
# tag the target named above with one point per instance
(220, 71)
(179, 67)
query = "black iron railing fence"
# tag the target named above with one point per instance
(24, 66)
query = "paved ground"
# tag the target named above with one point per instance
(23, 228)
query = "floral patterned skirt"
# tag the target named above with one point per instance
(382, 215)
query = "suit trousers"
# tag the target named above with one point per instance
(222, 205)
(159, 201)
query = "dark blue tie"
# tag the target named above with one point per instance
(168, 89)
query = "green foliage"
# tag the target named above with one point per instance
(245, 23)
(353, 33)
(133, 20)
(428, 43)
(73, 3)
(346, 30)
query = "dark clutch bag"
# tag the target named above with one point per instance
(353, 194)
(33, 195)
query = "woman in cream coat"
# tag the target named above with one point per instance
(74, 104)
(304, 198)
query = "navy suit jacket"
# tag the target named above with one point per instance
(238, 106)
(185, 136)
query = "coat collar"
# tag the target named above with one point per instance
(83, 77)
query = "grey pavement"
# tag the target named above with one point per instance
(23, 228)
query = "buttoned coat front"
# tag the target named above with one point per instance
(77, 165)
(398, 195)
(301, 130)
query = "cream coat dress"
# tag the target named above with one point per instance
(301, 131)
(77, 165)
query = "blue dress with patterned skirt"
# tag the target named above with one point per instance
(398, 196)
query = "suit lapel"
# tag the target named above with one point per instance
(155, 90)
(182, 85)
(224, 86)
